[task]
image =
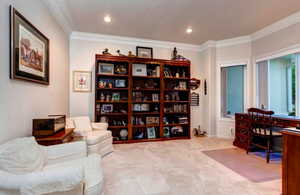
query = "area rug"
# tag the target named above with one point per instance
(252, 166)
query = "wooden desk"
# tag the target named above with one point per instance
(242, 125)
(60, 137)
(291, 163)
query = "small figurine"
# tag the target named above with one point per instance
(105, 52)
(102, 97)
(130, 54)
(198, 132)
(175, 56)
(101, 84)
(119, 53)
(108, 97)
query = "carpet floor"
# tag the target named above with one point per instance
(252, 166)
(177, 168)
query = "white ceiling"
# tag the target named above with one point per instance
(168, 19)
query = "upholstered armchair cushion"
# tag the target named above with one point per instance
(21, 156)
(100, 126)
(65, 152)
(82, 125)
(42, 182)
(67, 170)
(95, 137)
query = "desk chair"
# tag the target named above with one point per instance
(261, 132)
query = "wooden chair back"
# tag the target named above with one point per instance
(261, 121)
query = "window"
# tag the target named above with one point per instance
(232, 90)
(277, 81)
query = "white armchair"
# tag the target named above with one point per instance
(97, 137)
(27, 168)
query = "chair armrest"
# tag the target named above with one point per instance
(44, 182)
(99, 126)
(65, 152)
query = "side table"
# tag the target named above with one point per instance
(60, 137)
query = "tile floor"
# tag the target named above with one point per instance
(176, 168)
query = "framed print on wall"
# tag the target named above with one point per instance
(82, 81)
(29, 53)
(144, 52)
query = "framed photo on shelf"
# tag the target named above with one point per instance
(115, 96)
(106, 68)
(139, 70)
(151, 133)
(167, 132)
(144, 52)
(82, 81)
(120, 83)
(120, 69)
(137, 107)
(29, 52)
(145, 107)
(155, 97)
(107, 108)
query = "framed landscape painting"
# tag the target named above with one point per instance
(29, 50)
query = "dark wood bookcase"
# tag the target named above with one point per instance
(136, 109)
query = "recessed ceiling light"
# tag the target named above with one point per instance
(107, 19)
(189, 30)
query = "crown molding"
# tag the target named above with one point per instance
(279, 53)
(61, 14)
(233, 41)
(277, 26)
(132, 41)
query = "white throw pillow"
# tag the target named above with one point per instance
(21, 155)
(82, 123)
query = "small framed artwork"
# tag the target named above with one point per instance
(120, 83)
(151, 133)
(106, 68)
(120, 69)
(82, 81)
(107, 108)
(155, 97)
(29, 52)
(115, 96)
(167, 132)
(139, 70)
(145, 107)
(144, 52)
(137, 107)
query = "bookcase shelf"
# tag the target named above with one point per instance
(121, 100)
(117, 89)
(112, 75)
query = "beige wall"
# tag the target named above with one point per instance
(276, 41)
(82, 57)
(21, 101)
(234, 55)
(281, 42)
